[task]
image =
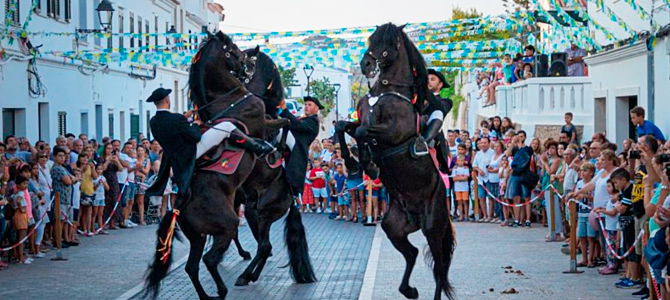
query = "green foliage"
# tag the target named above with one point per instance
(323, 90)
(287, 77)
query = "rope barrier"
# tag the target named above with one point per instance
(44, 214)
(513, 205)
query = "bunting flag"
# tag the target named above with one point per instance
(613, 17)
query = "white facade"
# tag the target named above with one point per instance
(97, 100)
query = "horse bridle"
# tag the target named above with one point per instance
(246, 75)
(379, 63)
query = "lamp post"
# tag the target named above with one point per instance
(105, 13)
(306, 69)
(337, 87)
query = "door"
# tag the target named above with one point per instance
(135, 126)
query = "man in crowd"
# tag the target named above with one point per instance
(451, 143)
(576, 60)
(12, 144)
(521, 164)
(302, 131)
(327, 151)
(644, 127)
(481, 165)
(62, 183)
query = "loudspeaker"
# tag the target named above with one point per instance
(559, 64)
(541, 68)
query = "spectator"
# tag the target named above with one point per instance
(12, 149)
(496, 128)
(521, 165)
(451, 143)
(611, 223)
(570, 129)
(509, 69)
(155, 151)
(141, 173)
(327, 152)
(62, 183)
(317, 176)
(460, 174)
(88, 172)
(22, 218)
(644, 127)
(633, 278)
(111, 165)
(498, 79)
(576, 60)
(481, 165)
(493, 185)
(551, 166)
(307, 193)
(315, 150)
(585, 232)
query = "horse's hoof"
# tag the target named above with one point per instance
(241, 281)
(246, 255)
(409, 292)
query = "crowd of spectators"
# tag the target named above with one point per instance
(99, 187)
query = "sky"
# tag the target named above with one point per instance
(291, 15)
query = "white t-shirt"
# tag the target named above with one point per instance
(611, 222)
(460, 186)
(600, 195)
(131, 175)
(482, 160)
(99, 187)
(570, 180)
(494, 177)
(76, 193)
(326, 155)
(454, 150)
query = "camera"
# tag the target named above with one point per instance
(664, 158)
(667, 170)
(634, 154)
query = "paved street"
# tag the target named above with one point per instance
(108, 267)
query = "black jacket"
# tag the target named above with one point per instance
(304, 131)
(178, 138)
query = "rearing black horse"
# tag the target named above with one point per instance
(208, 210)
(386, 134)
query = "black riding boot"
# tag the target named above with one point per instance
(245, 142)
(433, 129)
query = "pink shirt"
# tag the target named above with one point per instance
(29, 205)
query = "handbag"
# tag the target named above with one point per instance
(530, 178)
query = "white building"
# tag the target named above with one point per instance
(99, 100)
(335, 76)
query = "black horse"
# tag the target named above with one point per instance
(208, 210)
(267, 196)
(386, 134)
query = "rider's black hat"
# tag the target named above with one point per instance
(440, 77)
(159, 94)
(316, 101)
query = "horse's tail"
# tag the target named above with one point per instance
(298, 251)
(448, 247)
(158, 269)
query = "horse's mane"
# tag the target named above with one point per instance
(389, 34)
(266, 68)
(196, 78)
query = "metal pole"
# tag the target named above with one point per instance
(553, 214)
(475, 208)
(308, 75)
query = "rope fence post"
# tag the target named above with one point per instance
(475, 195)
(573, 240)
(652, 290)
(58, 228)
(551, 215)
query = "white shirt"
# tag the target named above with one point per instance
(326, 155)
(453, 150)
(611, 221)
(131, 175)
(99, 187)
(460, 186)
(122, 174)
(494, 177)
(76, 193)
(482, 160)
(570, 180)
(600, 195)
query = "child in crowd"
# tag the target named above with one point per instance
(509, 69)
(22, 215)
(101, 187)
(461, 173)
(527, 71)
(76, 201)
(504, 173)
(570, 128)
(307, 198)
(339, 180)
(585, 232)
(621, 179)
(611, 223)
(38, 203)
(318, 178)
(376, 184)
(331, 199)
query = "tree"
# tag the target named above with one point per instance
(287, 78)
(323, 90)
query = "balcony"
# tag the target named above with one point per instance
(543, 102)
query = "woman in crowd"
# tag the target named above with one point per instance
(496, 128)
(507, 126)
(551, 166)
(110, 164)
(87, 167)
(315, 150)
(494, 181)
(143, 168)
(39, 208)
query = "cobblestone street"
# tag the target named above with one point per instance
(111, 267)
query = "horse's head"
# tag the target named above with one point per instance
(265, 80)
(217, 68)
(384, 48)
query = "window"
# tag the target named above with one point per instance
(83, 15)
(146, 27)
(120, 27)
(38, 6)
(53, 8)
(131, 21)
(12, 12)
(62, 123)
(155, 29)
(43, 120)
(167, 37)
(84, 123)
(139, 30)
(68, 10)
(111, 123)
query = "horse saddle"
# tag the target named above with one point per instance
(418, 148)
(224, 159)
(274, 160)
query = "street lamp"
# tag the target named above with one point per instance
(308, 75)
(337, 87)
(105, 9)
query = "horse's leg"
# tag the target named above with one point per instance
(214, 256)
(243, 253)
(397, 227)
(193, 264)
(252, 272)
(438, 232)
